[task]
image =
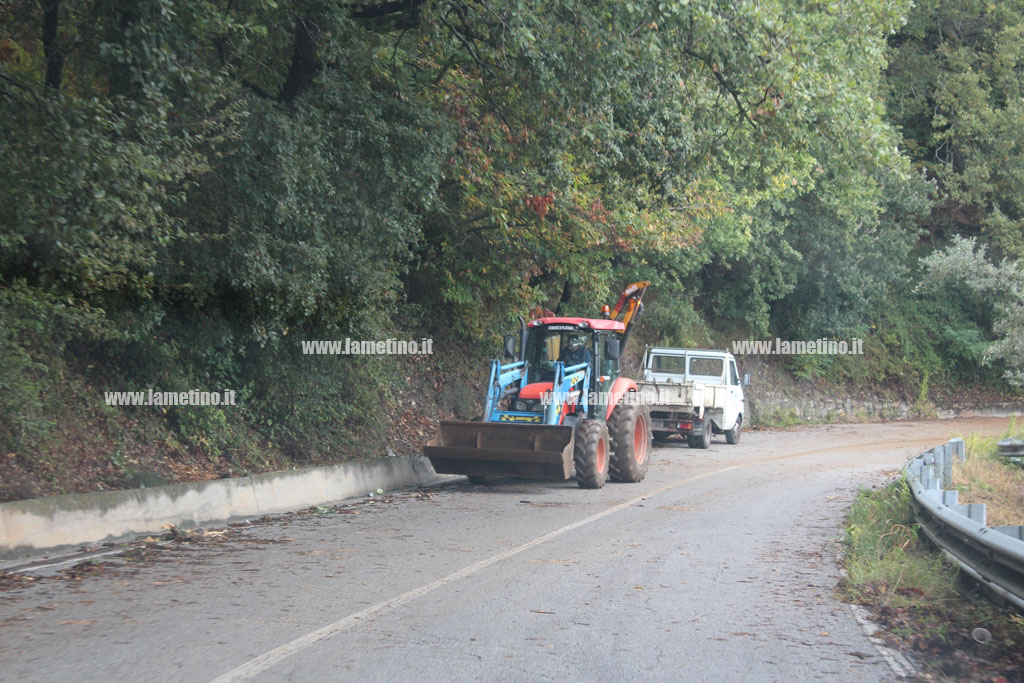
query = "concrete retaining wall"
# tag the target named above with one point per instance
(768, 406)
(97, 517)
(814, 408)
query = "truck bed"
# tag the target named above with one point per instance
(683, 396)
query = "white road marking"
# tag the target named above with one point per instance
(80, 558)
(900, 665)
(263, 662)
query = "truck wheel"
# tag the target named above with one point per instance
(590, 454)
(692, 441)
(630, 430)
(705, 440)
(732, 436)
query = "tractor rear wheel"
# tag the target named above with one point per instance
(590, 454)
(630, 430)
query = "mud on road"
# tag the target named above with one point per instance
(721, 565)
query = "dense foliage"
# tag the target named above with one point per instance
(956, 91)
(189, 189)
(995, 292)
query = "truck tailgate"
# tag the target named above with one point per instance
(681, 396)
(667, 393)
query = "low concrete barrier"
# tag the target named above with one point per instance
(55, 521)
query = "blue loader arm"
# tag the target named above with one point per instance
(502, 377)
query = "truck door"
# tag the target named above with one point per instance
(734, 406)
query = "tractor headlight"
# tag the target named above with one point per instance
(522, 406)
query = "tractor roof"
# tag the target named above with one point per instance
(592, 323)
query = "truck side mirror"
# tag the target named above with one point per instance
(510, 346)
(746, 379)
(612, 348)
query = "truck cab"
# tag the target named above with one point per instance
(695, 393)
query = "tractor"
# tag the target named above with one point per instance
(557, 406)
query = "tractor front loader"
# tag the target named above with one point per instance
(558, 406)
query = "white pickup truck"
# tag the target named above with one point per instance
(693, 392)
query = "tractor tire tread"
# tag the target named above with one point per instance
(589, 436)
(622, 423)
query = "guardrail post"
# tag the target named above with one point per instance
(931, 473)
(947, 465)
(959, 449)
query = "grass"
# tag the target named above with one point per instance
(913, 594)
(886, 559)
(986, 478)
(778, 418)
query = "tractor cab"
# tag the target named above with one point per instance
(581, 353)
(573, 341)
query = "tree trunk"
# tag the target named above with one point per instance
(51, 52)
(305, 64)
(564, 299)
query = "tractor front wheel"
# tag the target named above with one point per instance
(590, 454)
(630, 430)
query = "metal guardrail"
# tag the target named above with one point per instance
(992, 556)
(1012, 450)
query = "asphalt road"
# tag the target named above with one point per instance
(720, 566)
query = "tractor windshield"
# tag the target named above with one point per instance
(546, 345)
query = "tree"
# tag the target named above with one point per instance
(963, 267)
(956, 92)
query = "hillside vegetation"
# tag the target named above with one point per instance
(188, 190)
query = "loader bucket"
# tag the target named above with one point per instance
(499, 449)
